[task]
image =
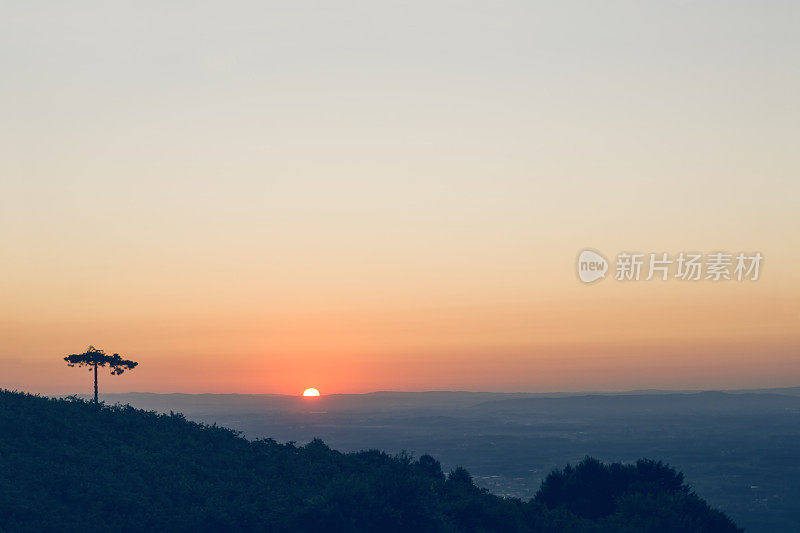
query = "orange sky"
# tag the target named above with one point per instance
(265, 199)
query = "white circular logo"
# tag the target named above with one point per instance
(591, 266)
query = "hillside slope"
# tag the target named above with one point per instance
(67, 465)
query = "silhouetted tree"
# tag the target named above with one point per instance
(460, 476)
(94, 357)
(430, 466)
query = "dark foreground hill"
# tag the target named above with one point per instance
(68, 465)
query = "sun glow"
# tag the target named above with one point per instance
(311, 392)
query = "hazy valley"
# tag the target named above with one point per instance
(737, 448)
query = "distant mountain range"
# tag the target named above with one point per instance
(432, 400)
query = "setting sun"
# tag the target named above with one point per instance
(311, 392)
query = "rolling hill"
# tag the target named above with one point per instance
(69, 465)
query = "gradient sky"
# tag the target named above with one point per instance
(356, 196)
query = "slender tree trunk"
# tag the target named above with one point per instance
(95, 383)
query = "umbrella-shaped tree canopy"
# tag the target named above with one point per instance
(94, 357)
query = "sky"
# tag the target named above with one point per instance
(261, 197)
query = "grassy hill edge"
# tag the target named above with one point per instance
(69, 465)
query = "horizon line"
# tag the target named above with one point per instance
(429, 391)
